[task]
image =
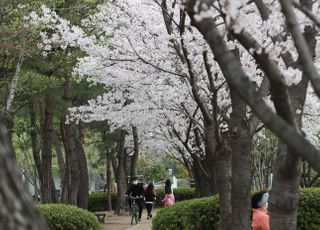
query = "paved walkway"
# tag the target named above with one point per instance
(113, 222)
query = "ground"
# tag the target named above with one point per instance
(113, 222)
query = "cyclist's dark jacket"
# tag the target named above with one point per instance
(135, 190)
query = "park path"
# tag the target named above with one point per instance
(113, 222)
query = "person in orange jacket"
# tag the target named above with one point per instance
(260, 215)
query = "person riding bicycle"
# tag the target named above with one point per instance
(136, 190)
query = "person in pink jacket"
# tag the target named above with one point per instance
(169, 197)
(260, 215)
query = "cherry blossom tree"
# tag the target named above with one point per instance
(155, 64)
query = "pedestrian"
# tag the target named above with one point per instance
(169, 197)
(150, 197)
(260, 215)
(136, 191)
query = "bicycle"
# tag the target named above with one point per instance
(134, 209)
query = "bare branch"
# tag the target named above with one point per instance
(307, 12)
(153, 65)
(305, 56)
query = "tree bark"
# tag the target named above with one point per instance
(108, 178)
(60, 159)
(135, 156)
(67, 172)
(286, 180)
(240, 142)
(17, 209)
(47, 183)
(121, 182)
(83, 195)
(34, 141)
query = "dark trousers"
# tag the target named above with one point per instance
(149, 209)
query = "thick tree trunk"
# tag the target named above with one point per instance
(222, 165)
(83, 195)
(121, 183)
(240, 142)
(223, 173)
(135, 156)
(108, 178)
(73, 189)
(286, 178)
(47, 182)
(17, 209)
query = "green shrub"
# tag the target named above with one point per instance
(180, 194)
(68, 217)
(309, 209)
(98, 201)
(193, 214)
(203, 214)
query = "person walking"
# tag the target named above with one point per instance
(150, 197)
(260, 215)
(169, 197)
(136, 190)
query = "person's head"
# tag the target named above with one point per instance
(260, 200)
(167, 188)
(150, 187)
(134, 180)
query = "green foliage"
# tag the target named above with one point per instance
(68, 217)
(180, 194)
(203, 213)
(98, 201)
(193, 214)
(309, 209)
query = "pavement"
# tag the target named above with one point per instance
(114, 222)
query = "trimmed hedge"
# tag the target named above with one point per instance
(193, 214)
(68, 217)
(203, 213)
(98, 201)
(180, 194)
(309, 209)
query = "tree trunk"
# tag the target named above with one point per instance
(73, 189)
(201, 180)
(108, 178)
(222, 165)
(135, 156)
(286, 178)
(34, 141)
(47, 182)
(83, 195)
(60, 160)
(17, 209)
(67, 172)
(121, 183)
(240, 142)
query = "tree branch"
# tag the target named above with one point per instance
(231, 67)
(305, 56)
